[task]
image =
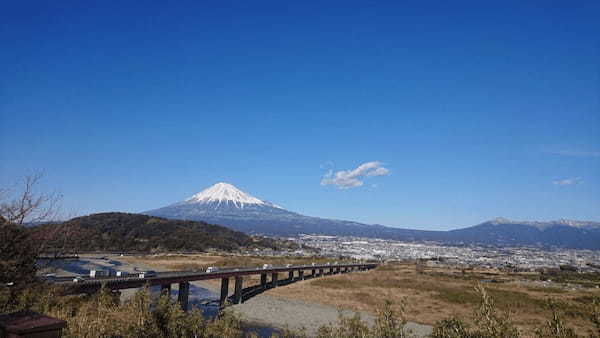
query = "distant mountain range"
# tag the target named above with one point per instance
(224, 204)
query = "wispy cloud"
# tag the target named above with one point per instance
(576, 153)
(568, 181)
(345, 179)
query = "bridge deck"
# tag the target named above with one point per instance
(165, 279)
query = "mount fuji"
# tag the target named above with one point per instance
(226, 205)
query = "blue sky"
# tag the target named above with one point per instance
(474, 110)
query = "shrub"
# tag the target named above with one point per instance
(450, 328)
(555, 327)
(388, 324)
(488, 322)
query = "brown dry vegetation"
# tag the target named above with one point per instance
(437, 294)
(431, 295)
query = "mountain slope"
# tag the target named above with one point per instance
(134, 232)
(224, 204)
(561, 233)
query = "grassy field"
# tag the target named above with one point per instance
(434, 294)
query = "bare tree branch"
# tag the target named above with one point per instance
(28, 206)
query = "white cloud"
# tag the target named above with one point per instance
(568, 181)
(577, 153)
(345, 179)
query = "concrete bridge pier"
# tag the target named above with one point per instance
(320, 272)
(301, 274)
(331, 271)
(263, 280)
(237, 296)
(291, 276)
(184, 295)
(314, 273)
(274, 279)
(224, 291)
(165, 289)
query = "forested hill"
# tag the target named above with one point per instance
(134, 232)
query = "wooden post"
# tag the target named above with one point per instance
(263, 280)
(184, 294)
(274, 279)
(224, 291)
(237, 298)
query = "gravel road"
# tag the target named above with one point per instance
(277, 312)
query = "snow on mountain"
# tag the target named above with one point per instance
(545, 225)
(226, 193)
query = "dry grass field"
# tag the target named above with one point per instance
(430, 295)
(439, 293)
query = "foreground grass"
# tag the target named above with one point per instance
(103, 315)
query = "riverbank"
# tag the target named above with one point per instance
(264, 310)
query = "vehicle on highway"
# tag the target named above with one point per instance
(49, 277)
(78, 279)
(98, 273)
(288, 265)
(212, 269)
(313, 263)
(121, 274)
(267, 266)
(146, 274)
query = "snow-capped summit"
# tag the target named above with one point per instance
(545, 225)
(225, 193)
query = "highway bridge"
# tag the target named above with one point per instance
(290, 274)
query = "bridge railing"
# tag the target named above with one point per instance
(183, 278)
